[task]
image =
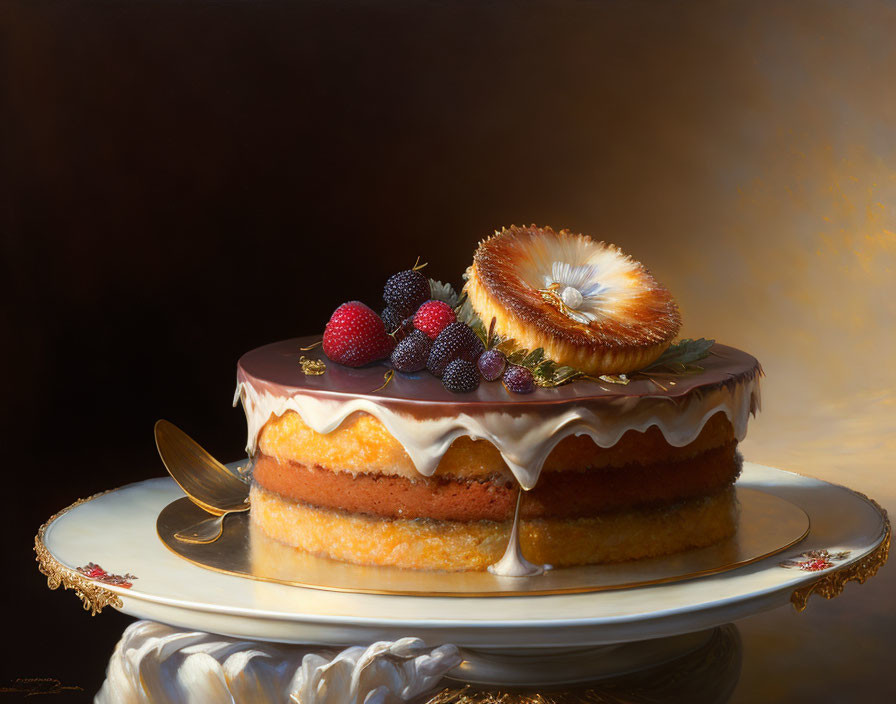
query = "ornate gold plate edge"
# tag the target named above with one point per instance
(93, 596)
(831, 584)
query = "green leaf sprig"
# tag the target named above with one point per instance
(681, 356)
(547, 373)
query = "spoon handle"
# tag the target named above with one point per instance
(207, 530)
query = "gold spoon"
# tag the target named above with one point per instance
(207, 482)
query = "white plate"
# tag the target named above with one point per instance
(117, 531)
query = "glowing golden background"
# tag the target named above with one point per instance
(759, 184)
(790, 252)
(762, 191)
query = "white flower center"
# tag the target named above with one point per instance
(572, 297)
(575, 288)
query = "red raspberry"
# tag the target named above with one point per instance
(356, 336)
(433, 317)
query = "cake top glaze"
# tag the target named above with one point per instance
(275, 368)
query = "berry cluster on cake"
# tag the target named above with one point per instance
(549, 390)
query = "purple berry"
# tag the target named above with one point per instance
(491, 364)
(406, 291)
(519, 379)
(391, 318)
(410, 354)
(460, 376)
(406, 328)
(456, 341)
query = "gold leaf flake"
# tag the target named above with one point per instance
(387, 377)
(615, 379)
(312, 367)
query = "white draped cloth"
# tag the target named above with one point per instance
(155, 663)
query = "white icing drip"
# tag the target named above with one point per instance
(524, 439)
(513, 564)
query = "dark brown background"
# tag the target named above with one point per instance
(183, 181)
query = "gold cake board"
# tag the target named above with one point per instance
(768, 524)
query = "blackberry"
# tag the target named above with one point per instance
(392, 318)
(406, 328)
(461, 376)
(456, 341)
(396, 325)
(410, 354)
(519, 379)
(406, 291)
(491, 364)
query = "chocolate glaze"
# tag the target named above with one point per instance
(275, 368)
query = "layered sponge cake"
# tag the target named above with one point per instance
(569, 453)
(414, 476)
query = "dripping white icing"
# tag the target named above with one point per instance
(524, 439)
(513, 564)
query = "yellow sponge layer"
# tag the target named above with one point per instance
(474, 545)
(363, 444)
